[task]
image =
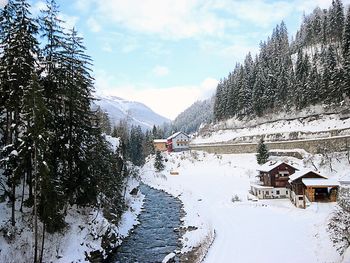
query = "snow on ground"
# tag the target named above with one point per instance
(83, 234)
(246, 231)
(233, 128)
(114, 142)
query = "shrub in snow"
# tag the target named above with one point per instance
(236, 198)
(339, 225)
(194, 155)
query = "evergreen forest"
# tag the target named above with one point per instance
(52, 151)
(313, 68)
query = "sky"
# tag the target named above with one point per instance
(169, 53)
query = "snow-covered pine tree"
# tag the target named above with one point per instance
(219, 102)
(248, 83)
(33, 150)
(18, 63)
(312, 95)
(158, 162)
(147, 145)
(329, 77)
(53, 81)
(336, 25)
(78, 116)
(103, 120)
(259, 99)
(346, 55)
(136, 154)
(262, 152)
(301, 74)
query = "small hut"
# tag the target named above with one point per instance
(311, 186)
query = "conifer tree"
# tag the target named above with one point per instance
(259, 99)
(18, 63)
(263, 153)
(158, 162)
(346, 55)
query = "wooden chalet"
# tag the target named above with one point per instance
(276, 174)
(310, 186)
(160, 145)
(273, 180)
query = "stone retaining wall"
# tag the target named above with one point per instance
(331, 144)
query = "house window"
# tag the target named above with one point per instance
(259, 192)
(277, 192)
(267, 192)
(300, 198)
(287, 192)
(284, 173)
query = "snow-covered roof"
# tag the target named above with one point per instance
(261, 186)
(301, 173)
(267, 167)
(345, 180)
(160, 140)
(177, 134)
(319, 182)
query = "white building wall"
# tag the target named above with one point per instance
(262, 193)
(179, 138)
(298, 200)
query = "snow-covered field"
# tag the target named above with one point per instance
(245, 231)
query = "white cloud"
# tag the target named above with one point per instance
(70, 21)
(168, 102)
(3, 3)
(160, 71)
(93, 24)
(168, 18)
(193, 18)
(37, 7)
(83, 5)
(208, 88)
(107, 47)
(264, 13)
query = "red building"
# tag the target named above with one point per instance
(178, 142)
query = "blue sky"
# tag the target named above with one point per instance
(170, 53)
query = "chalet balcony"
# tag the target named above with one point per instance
(257, 182)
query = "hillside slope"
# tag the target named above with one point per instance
(136, 112)
(312, 122)
(198, 113)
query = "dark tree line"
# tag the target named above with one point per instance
(136, 144)
(189, 121)
(52, 153)
(312, 69)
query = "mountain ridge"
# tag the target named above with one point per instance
(135, 112)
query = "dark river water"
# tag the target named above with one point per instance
(154, 237)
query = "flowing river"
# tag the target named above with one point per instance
(154, 237)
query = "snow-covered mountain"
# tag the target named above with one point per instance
(136, 112)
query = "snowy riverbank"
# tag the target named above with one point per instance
(84, 233)
(245, 231)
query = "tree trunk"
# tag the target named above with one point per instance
(42, 244)
(13, 198)
(35, 209)
(24, 182)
